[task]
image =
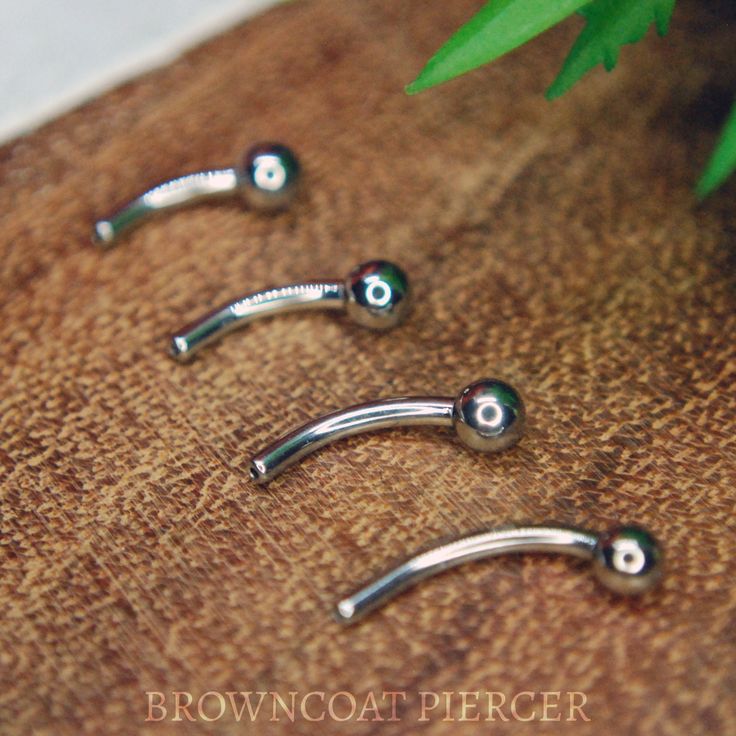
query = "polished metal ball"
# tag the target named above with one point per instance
(628, 560)
(377, 294)
(269, 176)
(489, 415)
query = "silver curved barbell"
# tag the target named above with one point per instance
(627, 560)
(488, 416)
(266, 180)
(375, 294)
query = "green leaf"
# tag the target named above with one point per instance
(610, 25)
(497, 28)
(722, 162)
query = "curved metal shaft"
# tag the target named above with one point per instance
(404, 412)
(203, 185)
(296, 297)
(568, 541)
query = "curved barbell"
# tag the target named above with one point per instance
(374, 294)
(627, 560)
(266, 180)
(488, 416)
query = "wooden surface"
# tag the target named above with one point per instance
(557, 246)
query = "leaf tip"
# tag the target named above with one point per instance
(553, 92)
(704, 188)
(663, 16)
(424, 80)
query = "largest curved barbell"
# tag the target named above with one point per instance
(488, 416)
(626, 560)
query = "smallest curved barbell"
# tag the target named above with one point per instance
(626, 560)
(266, 180)
(375, 294)
(488, 416)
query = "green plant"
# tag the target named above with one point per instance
(503, 25)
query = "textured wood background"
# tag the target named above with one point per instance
(555, 245)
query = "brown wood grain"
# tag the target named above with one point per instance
(557, 246)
